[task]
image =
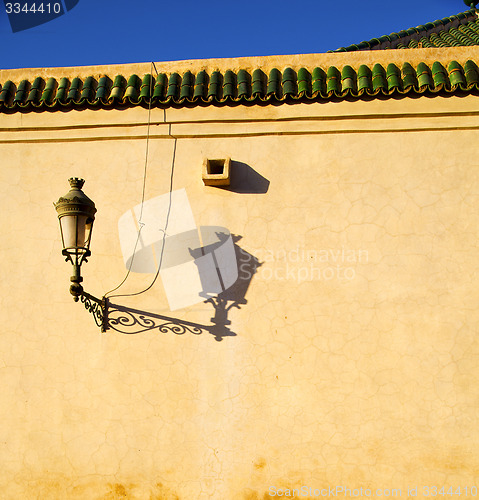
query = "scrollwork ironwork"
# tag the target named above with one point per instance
(131, 321)
(96, 307)
(180, 329)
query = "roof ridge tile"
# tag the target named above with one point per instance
(409, 38)
(254, 86)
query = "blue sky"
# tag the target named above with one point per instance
(121, 31)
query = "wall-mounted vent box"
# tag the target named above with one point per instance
(216, 172)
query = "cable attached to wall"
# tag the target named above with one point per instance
(140, 222)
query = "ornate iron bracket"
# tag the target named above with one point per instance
(97, 307)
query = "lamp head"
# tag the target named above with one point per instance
(76, 213)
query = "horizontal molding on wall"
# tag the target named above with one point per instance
(242, 127)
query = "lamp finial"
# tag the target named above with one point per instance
(471, 3)
(76, 182)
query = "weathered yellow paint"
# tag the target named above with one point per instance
(366, 379)
(266, 63)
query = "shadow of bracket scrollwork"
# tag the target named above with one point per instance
(126, 320)
(129, 321)
(132, 321)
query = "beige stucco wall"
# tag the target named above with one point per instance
(266, 63)
(366, 379)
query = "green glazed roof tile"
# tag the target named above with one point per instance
(7, 91)
(161, 86)
(409, 76)
(379, 78)
(174, 86)
(118, 88)
(473, 27)
(274, 82)
(472, 73)
(319, 81)
(304, 82)
(348, 79)
(449, 39)
(463, 39)
(49, 91)
(22, 91)
(88, 89)
(447, 32)
(473, 35)
(133, 88)
(259, 82)
(362, 46)
(393, 76)
(365, 79)
(439, 75)
(424, 76)
(289, 82)
(36, 90)
(437, 41)
(254, 87)
(456, 74)
(333, 80)
(146, 89)
(74, 91)
(229, 84)
(244, 83)
(215, 88)
(103, 88)
(187, 84)
(201, 85)
(425, 43)
(62, 91)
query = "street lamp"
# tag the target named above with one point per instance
(76, 213)
(471, 3)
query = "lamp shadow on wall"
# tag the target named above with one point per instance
(133, 321)
(234, 296)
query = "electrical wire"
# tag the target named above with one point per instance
(140, 222)
(164, 231)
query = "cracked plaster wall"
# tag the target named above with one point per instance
(366, 381)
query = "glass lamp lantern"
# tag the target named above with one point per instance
(76, 214)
